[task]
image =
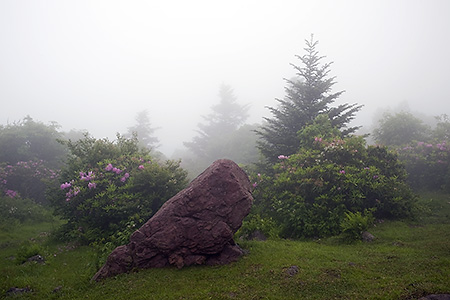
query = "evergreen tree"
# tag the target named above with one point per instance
(307, 96)
(225, 119)
(144, 131)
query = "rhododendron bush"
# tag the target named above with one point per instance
(311, 191)
(427, 164)
(106, 186)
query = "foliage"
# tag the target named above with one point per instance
(15, 210)
(307, 96)
(400, 129)
(27, 178)
(313, 189)
(254, 222)
(27, 250)
(106, 185)
(28, 140)
(427, 164)
(355, 223)
(442, 129)
(144, 131)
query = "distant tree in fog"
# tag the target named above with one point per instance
(442, 130)
(28, 140)
(214, 136)
(307, 96)
(144, 131)
(399, 129)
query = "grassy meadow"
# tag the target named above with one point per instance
(407, 260)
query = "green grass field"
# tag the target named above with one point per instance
(407, 260)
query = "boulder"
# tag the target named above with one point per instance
(196, 226)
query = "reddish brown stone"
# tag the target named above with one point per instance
(196, 226)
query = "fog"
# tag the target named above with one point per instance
(95, 64)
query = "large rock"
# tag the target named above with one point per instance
(196, 226)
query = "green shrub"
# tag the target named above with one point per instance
(254, 222)
(311, 190)
(27, 178)
(28, 250)
(427, 165)
(355, 223)
(15, 210)
(107, 185)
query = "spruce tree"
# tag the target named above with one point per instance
(213, 135)
(308, 95)
(144, 131)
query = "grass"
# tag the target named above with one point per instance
(407, 260)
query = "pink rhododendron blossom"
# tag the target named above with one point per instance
(255, 184)
(109, 167)
(65, 185)
(92, 185)
(283, 157)
(116, 170)
(11, 193)
(141, 167)
(86, 177)
(76, 190)
(125, 176)
(342, 171)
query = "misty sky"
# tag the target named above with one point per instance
(94, 64)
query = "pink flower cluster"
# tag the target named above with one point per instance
(440, 146)
(110, 167)
(283, 157)
(11, 193)
(72, 193)
(87, 177)
(125, 177)
(66, 185)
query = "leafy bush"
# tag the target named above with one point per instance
(27, 250)
(107, 185)
(427, 164)
(354, 224)
(254, 222)
(14, 209)
(27, 178)
(312, 189)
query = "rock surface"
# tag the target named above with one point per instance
(196, 226)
